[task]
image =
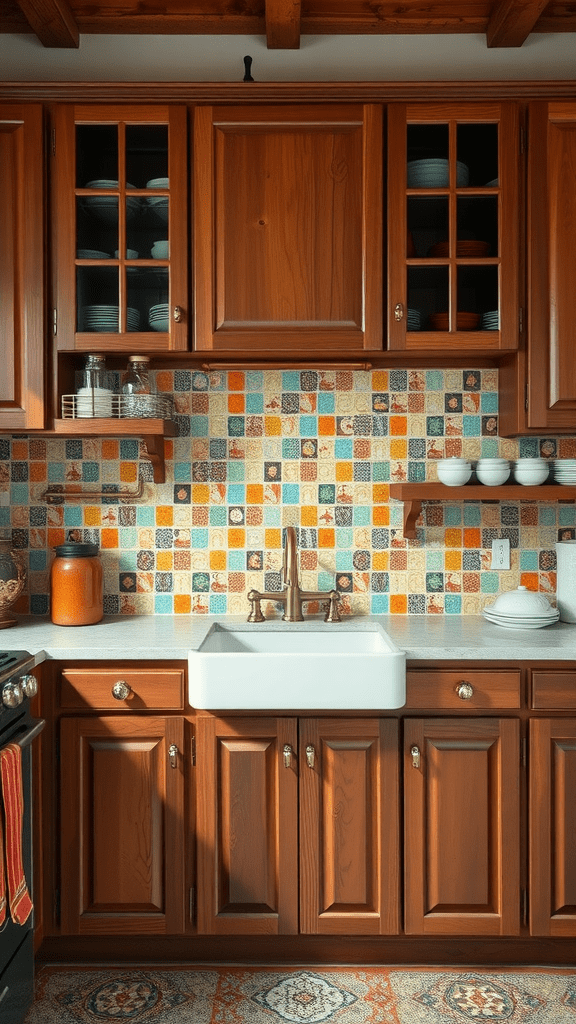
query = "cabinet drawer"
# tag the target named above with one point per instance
(153, 689)
(438, 688)
(554, 690)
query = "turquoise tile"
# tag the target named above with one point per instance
(489, 582)
(199, 426)
(453, 604)
(435, 560)
(145, 515)
(326, 580)
(528, 561)
(291, 494)
(90, 471)
(254, 380)
(344, 539)
(489, 448)
(471, 514)
(452, 515)
(37, 560)
(379, 604)
(4, 515)
(291, 380)
(218, 515)
(489, 401)
(255, 403)
(128, 537)
(127, 561)
(528, 447)
(362, 515)
(308, 426)
(236, 560)
(381, 471)
(73, 515)
(182, 472)
(19, 494)
(236, 469)
(129, 448)
(272, 515)
(471, 426)
(236, 426)
(566, 515)
(236, 494)
(547, 515)
(163, 604)
(199, 539)
(343, 448)
(325, 402)
(434, 380)
(343, 562)
(217, 604)
(56, 472)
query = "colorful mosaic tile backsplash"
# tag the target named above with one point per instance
(258, 451)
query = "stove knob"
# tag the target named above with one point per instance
(12, 695)
(29, 685)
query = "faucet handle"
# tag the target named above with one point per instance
(256, 611)
(331, 607)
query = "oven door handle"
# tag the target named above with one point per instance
(26, 739)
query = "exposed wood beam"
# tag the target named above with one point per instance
(283, 24)
(512, 21)
(52, 21)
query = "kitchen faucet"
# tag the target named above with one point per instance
(292, 597)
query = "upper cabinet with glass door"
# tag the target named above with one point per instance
(453, 212)
(120, 229)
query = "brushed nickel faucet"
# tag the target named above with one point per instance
(292, 597)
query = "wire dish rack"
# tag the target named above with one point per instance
(96, 405)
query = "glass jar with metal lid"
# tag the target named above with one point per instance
(76, 580)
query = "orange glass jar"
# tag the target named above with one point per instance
(76, 581)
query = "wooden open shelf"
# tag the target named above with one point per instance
(151, 431)
(413, 494)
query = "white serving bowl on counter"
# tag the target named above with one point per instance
(454, 472)
(521, 609)
(492, 472)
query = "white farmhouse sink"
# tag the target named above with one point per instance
(311, 665)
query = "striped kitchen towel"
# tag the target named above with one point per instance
(13, 803)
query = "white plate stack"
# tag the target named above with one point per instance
(158, 204)
(565, 471)
(91, 254)
(414, 319)
(106, 207)
(491, 320)
(435, 173)
(158, 317)
(105, 319)
(521, 609)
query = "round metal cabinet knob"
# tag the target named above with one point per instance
(121, 690)
(465, 691)
(12, 695)
(29, 685)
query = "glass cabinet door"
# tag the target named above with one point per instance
(120, 225)
(453, 227)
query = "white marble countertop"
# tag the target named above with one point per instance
(165, 637)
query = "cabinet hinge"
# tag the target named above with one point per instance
(523, 752)
(192, 903)
(521, 320)
(54, 321)
(193, 751)
(524, 905)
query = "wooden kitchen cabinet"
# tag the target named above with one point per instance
(461, 826)
(119, 228)
(123, 826)
(22, 380)
(453, 227)
(288, 229)
(263, 782)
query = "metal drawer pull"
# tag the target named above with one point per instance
(287, 751)
(415, 752)
(310, 755)
(465, 691)
(173, 755)
(121, 690)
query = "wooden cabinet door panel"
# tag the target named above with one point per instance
(461, 826)
(22, 269)
(247, 826)
(123, 829)
(288, 228)
(552, 816)
(349, 826)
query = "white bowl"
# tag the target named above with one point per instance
(131, 254)
(456, 475)
(493, 472)
(522, 603)
(160, 324)
(530, 475)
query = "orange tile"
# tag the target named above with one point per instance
(92, 515)
(380, 515)
(326, 538)
(110, 449)
(168, 448)
(236, 537)
(37, 471)
(55, 536)
(344, 471)
(218, 560)
(272, 426)
(453, 538)
(529, 580)
(20, 450)
(308, 515)
(254, 494)
(472, 538)
(398, 426)
(109, 538)
(236, 380)
(273, 538)
(326, 426)
(236, 402)
(398, 449)
(380, 380)
(453, 560)
(200, 494)
(182, 604)
(380, 493)
(164, 515)
(398, 604)
(165, 380)
(380, 561)
(129, 472)
(164, 561)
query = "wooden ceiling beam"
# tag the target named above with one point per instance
(512, 21)
(283, 24)
(52, 21)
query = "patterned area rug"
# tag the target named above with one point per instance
(303, 995)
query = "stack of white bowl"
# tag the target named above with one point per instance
(160, 250)
(158, 317)
(565, 471)
(492, 472)
(454, 472)
(105, 319)
(106, 207)
(434, 172)
(521, 609)
(531, 472)
(91, 254)
(414, 319)
(158, 204)
(491, 320)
